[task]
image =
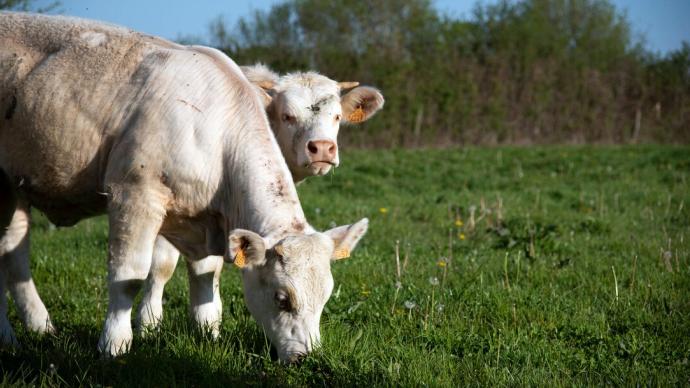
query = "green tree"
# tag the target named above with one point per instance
(26, 5)
(535, 71)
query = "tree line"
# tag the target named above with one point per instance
(514, 72)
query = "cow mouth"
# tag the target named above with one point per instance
(295, 358)
(320, 167)
(321, 163)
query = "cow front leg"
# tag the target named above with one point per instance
(150, 311)
(15, 276)
(134, 225)
(206, 307)
(7, 337)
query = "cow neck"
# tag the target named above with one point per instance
(262, 192)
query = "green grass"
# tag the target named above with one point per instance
(576, 272)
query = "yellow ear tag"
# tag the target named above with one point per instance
(356, 116)
(279, 250)
(342, 253)
(240, 259)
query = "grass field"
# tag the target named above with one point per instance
(540, 266)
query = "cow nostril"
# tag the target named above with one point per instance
(331, 150)
(312, 147)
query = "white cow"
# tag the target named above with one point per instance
(165, 139)
(305, 112)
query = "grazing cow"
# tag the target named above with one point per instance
(165, 139)
(305, 111)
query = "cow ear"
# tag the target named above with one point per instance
(360, 103)
(246, 249)
(263, 79)
(345, 238)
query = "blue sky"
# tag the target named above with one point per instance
(663, 23)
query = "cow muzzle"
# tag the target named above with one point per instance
(322, 155)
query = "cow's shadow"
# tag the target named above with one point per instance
(178, 354)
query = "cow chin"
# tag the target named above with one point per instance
(294, 344)
(293, 356)
(320, 168)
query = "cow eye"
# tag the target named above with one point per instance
(283, 300)
(288, 118)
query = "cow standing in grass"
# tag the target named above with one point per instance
(165, 139)
(305, 111)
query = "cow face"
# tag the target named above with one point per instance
(306, 110)
(287, 285)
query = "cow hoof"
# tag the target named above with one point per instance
(207, 317)
(146, 330)
(115, 341)
(42, 326)
(113, 349)
(148, 320)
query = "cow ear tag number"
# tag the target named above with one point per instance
(342, 253)
(240, 259)
(357, 115)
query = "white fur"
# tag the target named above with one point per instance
(303, 270)
(15, 276)
(206, 307)
(150, 312)
(290, 94)
(94, 39)
(296, 95)
(167, 140)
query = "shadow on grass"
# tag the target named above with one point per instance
(178, 354)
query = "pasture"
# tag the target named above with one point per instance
(539, 266)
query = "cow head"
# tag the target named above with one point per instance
(306, 110)
(286, 285)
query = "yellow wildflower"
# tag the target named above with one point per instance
(441, 263)
(383, 210)
(458, 222)
(461, 236)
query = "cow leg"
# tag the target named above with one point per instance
(7, 207)
(7, 337)
(150, 312)
(15, 275)
(204, 290)
(134, 224)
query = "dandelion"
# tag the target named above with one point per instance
(442, 262)
(365, 292)
(383, 210)
(410, 304)
(398, 285)
(458, 222)
(433, 281)
(461, 236)
(440, 307)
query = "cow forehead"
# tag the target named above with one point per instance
(307, 250)
(301, 100)
(304, 269)
(302, 91)
(310, 81)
